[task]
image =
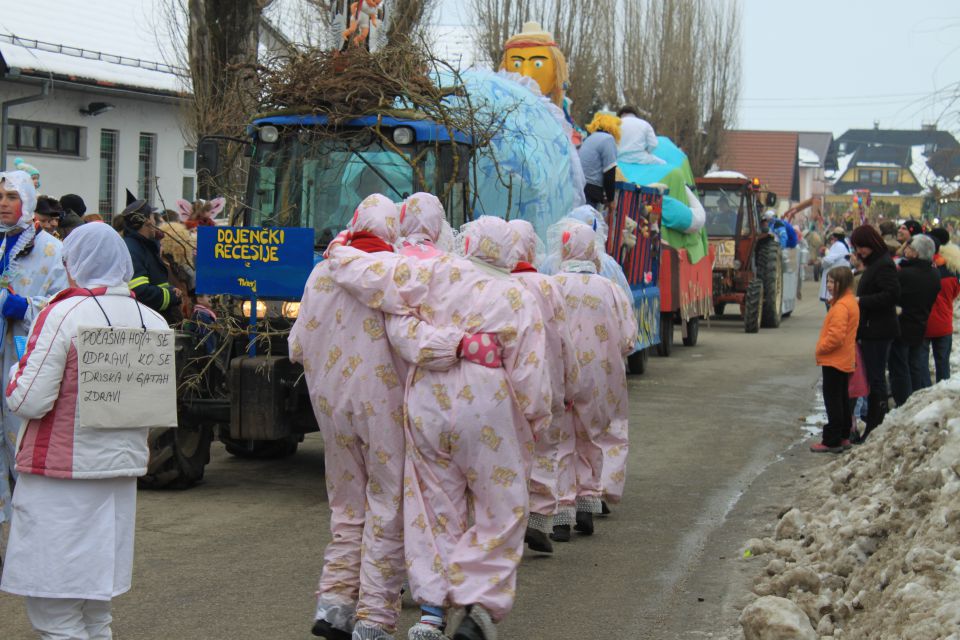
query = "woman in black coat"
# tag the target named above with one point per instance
(878, 294)
(919, 287)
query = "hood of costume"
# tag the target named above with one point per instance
(376, 215)
(97, 256)
(422, 219)
(20, 182)
(486, 241)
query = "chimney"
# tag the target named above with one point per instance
(928, 126)
(876, 125)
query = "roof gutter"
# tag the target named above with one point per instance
(5, 113)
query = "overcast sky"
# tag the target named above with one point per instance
(833, 65)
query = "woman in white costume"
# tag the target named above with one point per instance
(71, 536)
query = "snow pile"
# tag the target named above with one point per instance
(870, 550)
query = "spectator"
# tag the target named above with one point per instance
(905, 232)
(837, 255)
(150, 282)
(71, 538)
(878, 293)
(919, 287)
(836, 353)
(31, 170)
(73, 210)
(598, 155)
(48, 215)
(888, 231)
(638, 139)
(939, 333)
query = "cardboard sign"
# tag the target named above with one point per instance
(254, 261)
(126, 378)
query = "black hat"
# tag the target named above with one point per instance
(47, 206)
(73, 202)
(68, 222)
(940, 235)
(913, 227)
(137, 212)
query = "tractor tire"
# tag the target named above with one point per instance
(753, 306)
(718, 309)
(693, 332)
(261, 449)
(637, 362)
(770, 272)
(665, 348)
(177, 457)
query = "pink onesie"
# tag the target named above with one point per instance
(603, 327)
(469, 427)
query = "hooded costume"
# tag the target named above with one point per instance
(469, 425)
(604, 329)
(424, 230)
(32, 272)
(71, 537)
(553, 478)
(356, 388)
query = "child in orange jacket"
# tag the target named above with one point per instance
(837, 355)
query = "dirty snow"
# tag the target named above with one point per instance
(726, 175)
(869, 548)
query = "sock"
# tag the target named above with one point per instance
(431, 615)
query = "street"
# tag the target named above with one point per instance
(714, 456)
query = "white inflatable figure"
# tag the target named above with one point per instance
(637, 141)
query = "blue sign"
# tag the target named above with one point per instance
(253, 262)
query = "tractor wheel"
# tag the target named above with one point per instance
(770, 271)
(718, 309)
(637, 362)
(261, 449)
(665, 348)
(752, 306)
(693, 332)
(177, 457)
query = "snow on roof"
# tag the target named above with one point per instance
(119, 43)
(843, 161)
(926, 176)
(726, 175)
(807, 157)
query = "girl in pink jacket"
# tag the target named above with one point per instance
(603, 327)
(469, 423)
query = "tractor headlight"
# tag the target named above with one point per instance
(290, 310)
(261, 309)
(269, 134)
(403, 135)
(737, 264)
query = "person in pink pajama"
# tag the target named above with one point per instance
(424, 230)
(552, 509)
(602, 325)
(356, 388)
(470, 422)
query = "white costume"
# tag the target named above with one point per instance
(71, 536)
(637, 141)
(32, 267)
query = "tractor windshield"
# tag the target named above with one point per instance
(722, 208)
(314, 181)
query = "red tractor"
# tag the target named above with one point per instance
(749, 267)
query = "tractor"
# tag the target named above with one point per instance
(748, 268)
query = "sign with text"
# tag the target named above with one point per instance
(126, 378)
(254, 261)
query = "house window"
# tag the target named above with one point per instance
(189, 188)
(146, 166)
(189, 160)
(108, 170)
(45, 137)
(871, 176)
(893, 176)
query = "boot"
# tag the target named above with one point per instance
(323, 629)
(584, 523)
(604, 509)
(537, 541)
(561, 533)
(476, 625)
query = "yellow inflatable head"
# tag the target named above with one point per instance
(534, 54)
(608, 122)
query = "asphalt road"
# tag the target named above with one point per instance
(714, 456)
